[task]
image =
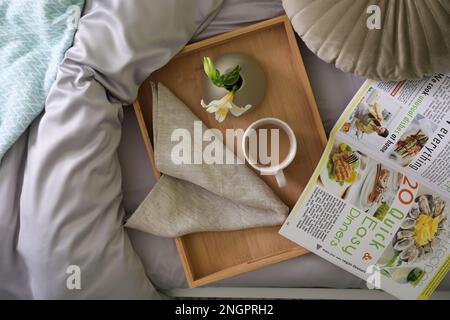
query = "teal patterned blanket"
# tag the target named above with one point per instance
(34, 35)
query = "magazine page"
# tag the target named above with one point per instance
(363, 210)
(407, 124)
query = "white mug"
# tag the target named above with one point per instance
(275, 170)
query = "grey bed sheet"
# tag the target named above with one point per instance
(333, 89)
(61, 214)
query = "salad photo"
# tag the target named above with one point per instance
(343, 165)
(343, 169)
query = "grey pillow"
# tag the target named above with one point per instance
(414, 39)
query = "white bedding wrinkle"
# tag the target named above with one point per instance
(61, 189)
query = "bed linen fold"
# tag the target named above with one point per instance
(61, 184)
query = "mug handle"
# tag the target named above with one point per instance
(281, 179)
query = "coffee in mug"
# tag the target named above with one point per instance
(269, 145)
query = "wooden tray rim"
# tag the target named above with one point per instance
(301, 71)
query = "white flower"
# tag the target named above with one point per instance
(223, 106)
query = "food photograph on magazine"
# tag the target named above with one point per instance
(377, 203)
(224, 157)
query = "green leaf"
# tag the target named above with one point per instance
(232, 77)
(330, 168)
(227, 80)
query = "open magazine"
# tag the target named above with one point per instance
(377, 204)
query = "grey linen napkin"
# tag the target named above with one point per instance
(199, 197)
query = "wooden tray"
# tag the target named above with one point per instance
(212, 256)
